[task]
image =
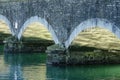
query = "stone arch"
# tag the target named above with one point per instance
(90, 23)
(8, 23)
(40, 20)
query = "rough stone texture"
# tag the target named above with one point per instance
(57, 55)
(12, 45)
(62, 16)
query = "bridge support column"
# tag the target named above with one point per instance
(12, 45)
(57, 55)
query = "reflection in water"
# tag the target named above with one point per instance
(32, 67)
(25, 67)
(15, 70)
(4, 70)
(93, 72)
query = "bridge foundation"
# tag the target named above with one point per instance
(12, 45)
(57, 55)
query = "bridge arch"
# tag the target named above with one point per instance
(42, 21)
(8, 23)
(90, 23)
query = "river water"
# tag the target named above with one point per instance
(33, 67)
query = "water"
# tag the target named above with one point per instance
(33, 67)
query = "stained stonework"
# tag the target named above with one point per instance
(63, 18)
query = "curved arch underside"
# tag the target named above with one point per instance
(8, 23)
(90, 23)
(40, 20)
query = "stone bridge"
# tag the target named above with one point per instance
(64, 19)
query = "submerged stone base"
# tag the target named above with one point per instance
(102, 57)
(12, 45)
(62, 57)
(57, 55)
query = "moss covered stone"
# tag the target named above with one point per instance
(11, 44)
(57, 54)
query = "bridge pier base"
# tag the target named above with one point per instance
(57, 55)
(12, 45)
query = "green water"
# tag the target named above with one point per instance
(33, 67)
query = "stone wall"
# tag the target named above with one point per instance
(61, 17)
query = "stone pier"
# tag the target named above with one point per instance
(57, 55)
(12, 45)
